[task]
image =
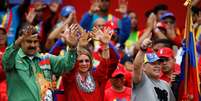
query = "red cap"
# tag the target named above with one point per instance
(165, 52)
(119, 70)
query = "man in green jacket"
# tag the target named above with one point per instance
(28, 72)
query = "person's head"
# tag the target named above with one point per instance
(117, 80)
(167, 59)
(152, 65)
(30, 43)
(100, 22)
(160, 9)
(169, 19)
(2, 36)
(104, 6)
(84, 60)
(134, 20)
(39, 7)
(160, 43)
(127, 61)
(65, 12)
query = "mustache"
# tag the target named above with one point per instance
(32, 48)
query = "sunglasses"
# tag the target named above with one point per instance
(82, 61)
(169, 21)
(155, 63)
(164, 60)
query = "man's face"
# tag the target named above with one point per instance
(153, 69)
(104, 5)
(134, 20)
(84, 63)
(167, 64)
(30, 45)
(117, 81)
(2, 37)
(170, 23)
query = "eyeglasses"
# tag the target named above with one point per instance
(164, 59)
(169, 21)
(82, 61)
(155, 63)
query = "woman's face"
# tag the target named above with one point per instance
(83, 63)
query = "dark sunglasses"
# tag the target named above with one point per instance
(164, 60)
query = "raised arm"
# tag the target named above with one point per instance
(8, 59)
(66, 63)
(138, 61)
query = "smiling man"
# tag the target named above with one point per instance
(146, 83)
(28, 72)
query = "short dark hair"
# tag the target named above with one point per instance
(27, 28)
(160, 7)
(195, 10)
(167, 42)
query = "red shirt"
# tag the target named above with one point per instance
(100, 76)
(3, 84)
(165, 77)
(112, 95)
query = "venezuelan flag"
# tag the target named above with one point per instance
(192, 79)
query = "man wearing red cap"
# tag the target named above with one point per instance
(118, 91)
(169, 69)
(146, 83)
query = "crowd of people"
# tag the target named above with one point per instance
(46, 54)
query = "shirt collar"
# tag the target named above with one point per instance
(22, 55)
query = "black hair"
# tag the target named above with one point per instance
(195, 10)
(160, 7)
(167, 42)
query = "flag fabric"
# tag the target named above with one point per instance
(192, 73)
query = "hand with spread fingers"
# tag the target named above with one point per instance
(123, 5)
(71, 36)
(103, 36)
(31, 15)
(84, 37)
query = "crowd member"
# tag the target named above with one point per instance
(100, 9)
(3, 84)
(160, 43)
(28, 72)
(67, 17)
(146, 83)
(134, 35)
(170, 71)
(173, 33)
(83, 84)
(118, 91)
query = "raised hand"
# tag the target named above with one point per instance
(95, 6)
(151, 21)
(26, 31)
(71, 35)
(123, 4)
(84, 38)
(31, 15)
(147, 42)
(103, 36)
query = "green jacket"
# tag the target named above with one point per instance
(21, 72)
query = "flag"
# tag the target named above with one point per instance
(192, 71)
